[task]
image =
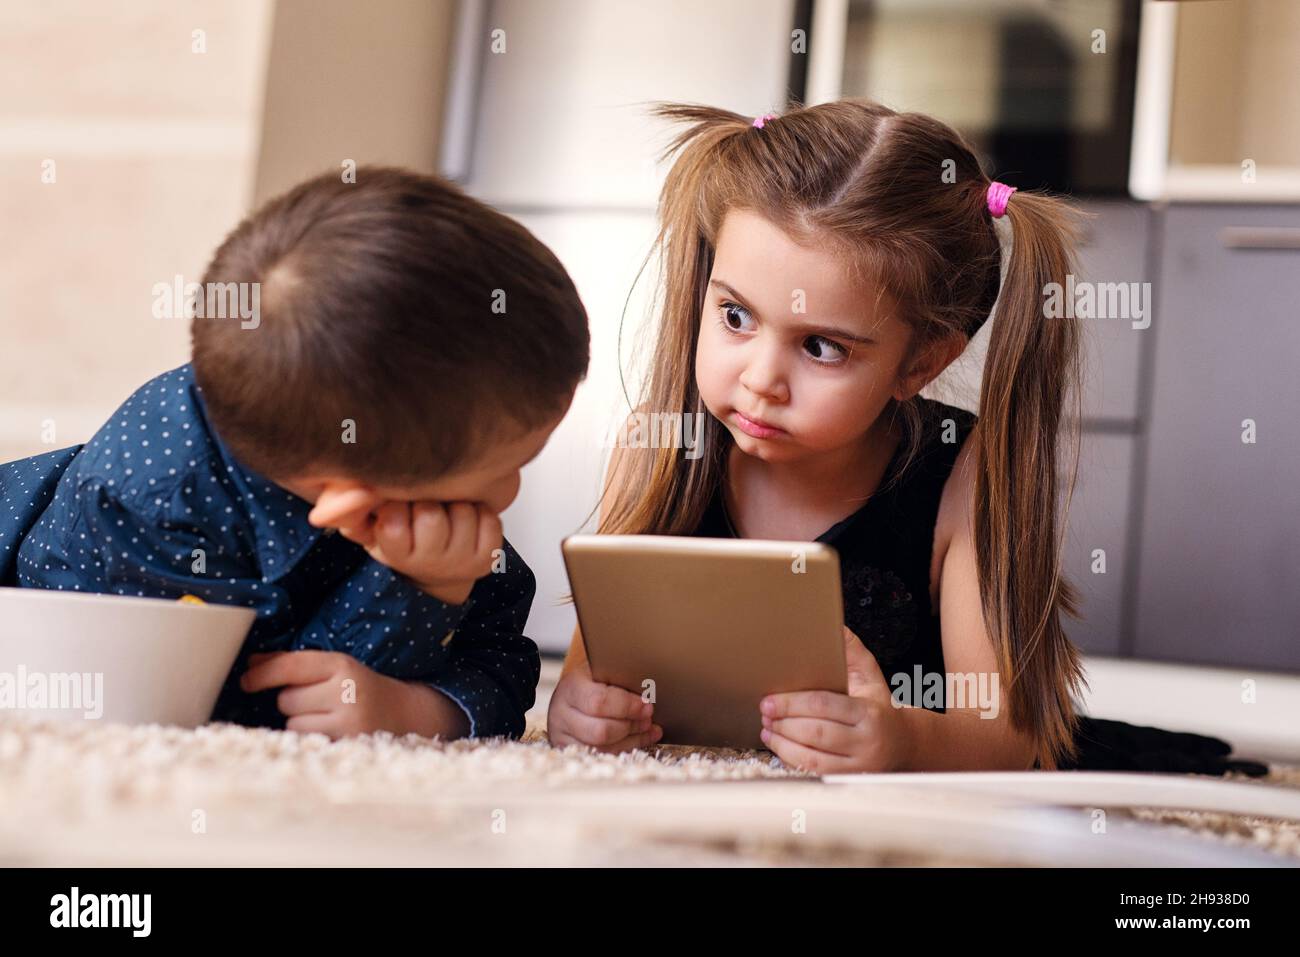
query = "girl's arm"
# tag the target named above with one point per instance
(584, 711)
(615, 475)
(576, 659)
(960, 739)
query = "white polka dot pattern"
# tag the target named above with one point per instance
(155, 505)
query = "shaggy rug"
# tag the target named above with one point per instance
(93, 794)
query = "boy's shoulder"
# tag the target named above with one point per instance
(157, 460)
(154, 441)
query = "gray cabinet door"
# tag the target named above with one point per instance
(1219, 568)
(1095, 555)
(1114, 250)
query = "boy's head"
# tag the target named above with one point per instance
(410, 339)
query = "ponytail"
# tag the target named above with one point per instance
(1031, 370)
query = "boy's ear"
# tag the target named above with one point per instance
(925, 368)
(343, 504)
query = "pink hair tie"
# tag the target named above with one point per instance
(997, 196)
(760, 120)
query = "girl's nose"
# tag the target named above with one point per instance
(764, 377)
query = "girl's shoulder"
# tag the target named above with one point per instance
(944, 423)
(944, 467)
(958, 497)
(943, 434)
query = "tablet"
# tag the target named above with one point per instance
(705, 627)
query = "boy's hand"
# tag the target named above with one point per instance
(831, 733)
(584, 711)
(335, 694)
(443, 547)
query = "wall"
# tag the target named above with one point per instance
(564, 144)
(346, 80)
(152, 147)
(1230, 102)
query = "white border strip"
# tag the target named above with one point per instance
(1102, 789)
(1153, 102)
(826, 58)
(462, 100)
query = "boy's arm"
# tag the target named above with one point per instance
(431, 713)
(494, 668)
(376, 615)
(474, 655)
(477, 671)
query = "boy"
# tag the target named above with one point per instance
(414, 348)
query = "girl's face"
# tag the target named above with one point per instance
(793, 357)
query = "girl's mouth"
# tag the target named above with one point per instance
(759, 430)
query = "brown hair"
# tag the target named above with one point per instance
(432, 321)
(870, 183)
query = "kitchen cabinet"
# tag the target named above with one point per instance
(1114, 250)
(1096, 557)
(1218, 578)
(561, 139)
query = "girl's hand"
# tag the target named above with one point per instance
(443, 547)
(829, 733)
(601, 716)
(335, 694)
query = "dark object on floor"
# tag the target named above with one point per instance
(1117, 746)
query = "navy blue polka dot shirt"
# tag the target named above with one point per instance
(155, 505)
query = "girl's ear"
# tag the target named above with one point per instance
(926, 367)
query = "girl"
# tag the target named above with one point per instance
(819, 270)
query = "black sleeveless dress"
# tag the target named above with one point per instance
(886, 546)
(885, 550)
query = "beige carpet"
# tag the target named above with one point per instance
(85, 793)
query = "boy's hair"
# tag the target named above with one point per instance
(900, 199)
(396, 305)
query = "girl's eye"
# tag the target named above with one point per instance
(824, 350)
(734, 317)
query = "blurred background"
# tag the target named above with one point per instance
(133, 136)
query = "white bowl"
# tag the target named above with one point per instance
(113, 658)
